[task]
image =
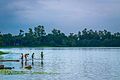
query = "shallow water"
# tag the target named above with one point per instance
(66, 63)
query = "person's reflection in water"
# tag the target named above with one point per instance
(22, 57)
(21, 64)
(21, 60)
(33, 59)
(25, 63)
(42, 60)
(42, 63)
(33, 56)
(32, 63)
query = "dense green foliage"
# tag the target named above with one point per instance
(38, 37)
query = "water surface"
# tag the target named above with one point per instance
(66, 63)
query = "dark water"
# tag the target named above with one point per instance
(66, 63)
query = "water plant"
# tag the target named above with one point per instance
(10, 72)
(1, 52)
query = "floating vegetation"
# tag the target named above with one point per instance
(28, 67)
(10, 72)
(2, 53)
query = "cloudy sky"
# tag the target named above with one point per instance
(66, 15)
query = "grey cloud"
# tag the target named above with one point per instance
(67, 14)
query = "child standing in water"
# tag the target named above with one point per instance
(41, 55)
(32, 56)
(21, 56)
(26, 56)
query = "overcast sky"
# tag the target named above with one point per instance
(66, 15)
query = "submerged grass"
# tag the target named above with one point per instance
(40, 73)
(12, 72)
(44, 73)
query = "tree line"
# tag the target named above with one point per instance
(37, 37)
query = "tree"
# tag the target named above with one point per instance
(56, 38)
(39, 31)
(8, 40)
(20, 38)
(72, 39)
(21, 33)
(39, 34)
(84, 34)
(28, 39)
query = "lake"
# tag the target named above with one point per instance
(65, 63)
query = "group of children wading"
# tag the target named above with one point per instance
(26, 59)
(26, 56)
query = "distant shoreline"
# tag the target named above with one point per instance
(56, 47)
(37, 37)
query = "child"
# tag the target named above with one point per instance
(32, 56)
(41, 55)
